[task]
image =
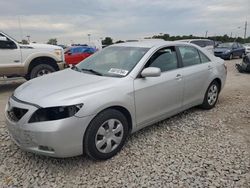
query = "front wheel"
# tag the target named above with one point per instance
(41, 70)
(211, 96)
(230, 56)
(106, 135)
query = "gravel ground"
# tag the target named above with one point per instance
(196, 148)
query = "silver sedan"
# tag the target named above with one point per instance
(91, 108)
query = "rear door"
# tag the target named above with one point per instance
(158, 97)
(196, 70)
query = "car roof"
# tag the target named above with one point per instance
(189, 40)
(148, 43)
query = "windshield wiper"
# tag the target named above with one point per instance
(76, 68)
(93, 71)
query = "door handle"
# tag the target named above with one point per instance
(178, 77)
(16, 61)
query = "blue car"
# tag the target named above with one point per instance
(229, 50)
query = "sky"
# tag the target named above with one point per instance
(71, 21)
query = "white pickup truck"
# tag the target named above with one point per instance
(29, 61)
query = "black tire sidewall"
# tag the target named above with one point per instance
(89, 139)
(205, 104)
(34, 71)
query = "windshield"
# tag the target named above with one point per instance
(114, 61)
(225, 45)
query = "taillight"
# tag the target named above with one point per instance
(225, 67)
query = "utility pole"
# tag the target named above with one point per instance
(28, 37)
(206, 34)
(245, 29)
(89, 37)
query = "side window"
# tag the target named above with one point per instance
(235, 45)
(204, 58)
(189, 55)
(8, 44)
(165, 59)
(209, 43)
(200, 43)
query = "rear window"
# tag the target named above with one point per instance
(200, 43)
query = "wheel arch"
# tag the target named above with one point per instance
(43, 60)
(218, 80)
(124, 111)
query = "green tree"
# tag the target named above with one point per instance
(107, 41)
(24, 41)
(119, 41)
(52, 41)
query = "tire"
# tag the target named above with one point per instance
(241, 56)
(100, 142)
(230, 56)
(211, 96)
(40, 70)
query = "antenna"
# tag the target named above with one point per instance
(245, 30)
(20, 28)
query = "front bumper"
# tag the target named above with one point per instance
(60, 138)
(62, 65)
(222, 55)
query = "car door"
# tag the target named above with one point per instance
(159, 97)
(10, 56)
(195, 72)
(235, 49)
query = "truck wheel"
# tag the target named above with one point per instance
(41, 70)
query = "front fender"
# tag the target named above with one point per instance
(32, 56)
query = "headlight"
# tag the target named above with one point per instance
(54, 113)
(58, 53)
(227, 51)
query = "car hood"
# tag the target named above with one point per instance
(221, 49)
(65, 87)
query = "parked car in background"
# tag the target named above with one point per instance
(229, 50)
(117, 91)
(247, 47)
(76, 54)
(203, 43)
(28, 60)
(245, 64)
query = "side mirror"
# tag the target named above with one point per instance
(151, 72)
(3, 38)
(69, 53)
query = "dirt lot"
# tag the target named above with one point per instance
(196, 148)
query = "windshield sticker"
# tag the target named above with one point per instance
(118, 71)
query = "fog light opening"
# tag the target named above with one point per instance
(46, 148)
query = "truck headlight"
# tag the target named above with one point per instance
(54, 113)
(59, 53)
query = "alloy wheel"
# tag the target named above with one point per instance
(43, 72)
(212, 94)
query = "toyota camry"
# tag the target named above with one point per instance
(92, 107)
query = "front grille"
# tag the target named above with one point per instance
(15, 114)
(217, 53)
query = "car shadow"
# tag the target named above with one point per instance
(10, 85)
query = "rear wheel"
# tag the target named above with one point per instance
(242, 55)
(211, 96)
(231, 57)
(41, 70)
(106, 135)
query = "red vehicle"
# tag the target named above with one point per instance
(76, 54)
